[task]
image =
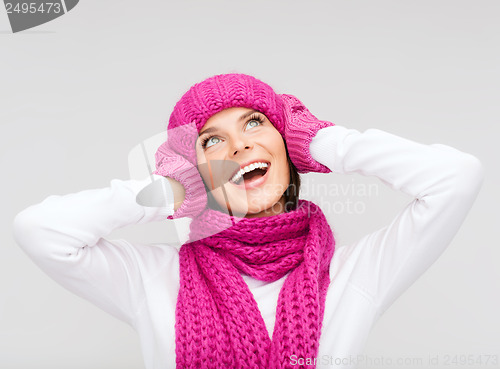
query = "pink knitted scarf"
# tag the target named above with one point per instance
(218, 323)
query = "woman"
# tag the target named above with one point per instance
(260, 283)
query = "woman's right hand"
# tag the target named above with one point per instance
(190, 197)
(179, 192)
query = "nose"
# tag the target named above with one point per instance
(240, 144)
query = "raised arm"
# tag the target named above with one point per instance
(444, 183)
(64, 236)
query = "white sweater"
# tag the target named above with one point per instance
(139, 283)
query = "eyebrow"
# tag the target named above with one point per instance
(214, 129)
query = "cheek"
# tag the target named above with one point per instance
(202, 167)
(278, 150)
(276, 147)
(200, 155)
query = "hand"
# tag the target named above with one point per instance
(179, 192)
(162, 192)
(185, 180)
(300, 128)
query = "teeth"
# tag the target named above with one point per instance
(247, 169)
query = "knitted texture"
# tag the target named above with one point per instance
(213, 95)
(300, 128)
(204, 99)
(170, 164)
(218, 323)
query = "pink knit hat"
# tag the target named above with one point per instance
(213, 95)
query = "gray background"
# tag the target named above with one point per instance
(78, 93)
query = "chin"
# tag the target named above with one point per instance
(251, 210)
(251, 204)
(265, 208)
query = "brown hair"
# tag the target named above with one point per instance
(292, 192)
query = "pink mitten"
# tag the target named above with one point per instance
(300, 128)
(170, 164)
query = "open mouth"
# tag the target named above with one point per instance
(250, 174)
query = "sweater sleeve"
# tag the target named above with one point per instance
(64, 236)
(443, 183)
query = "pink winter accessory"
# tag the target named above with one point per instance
(170, 164)
(218, 323)
(204, 99)
(300, 128)
(213, 95)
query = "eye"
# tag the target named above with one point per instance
(255, 120)
(210, 141)
(253, 123)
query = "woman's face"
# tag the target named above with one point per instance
(230, 141)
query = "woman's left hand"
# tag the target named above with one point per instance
(300, 128)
